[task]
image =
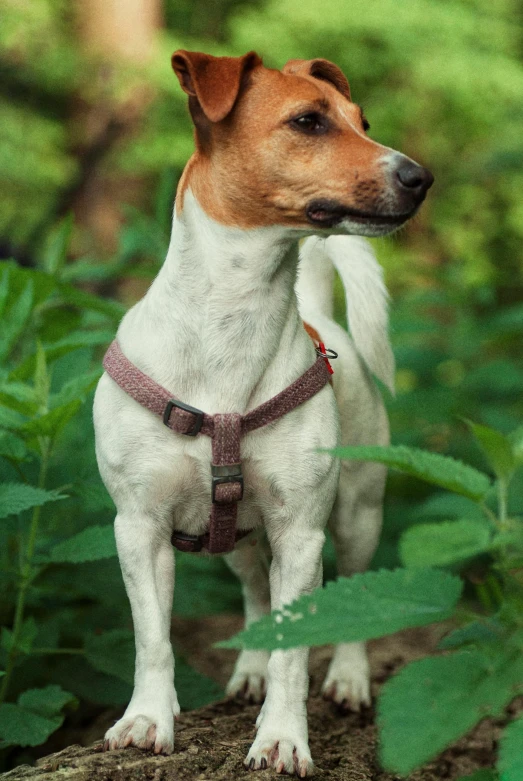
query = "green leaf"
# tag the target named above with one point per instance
(112, 653)
(362, 607)
(481, 775)
(497, 449)
(50, 424)
(516, 442)
(25, 640)
(22, 727)
(510, 762)
(432, 702)
(83, 300)
(432, 467)
(36, 716)
(16, 319)
(76, 388)
(12, 447)
(55, 255)
(17, 497)
(91, 544)
(54, 350)
(488, 630)
(440, 544)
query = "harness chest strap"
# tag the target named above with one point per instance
(225, 431)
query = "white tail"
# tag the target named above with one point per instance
(365, 294)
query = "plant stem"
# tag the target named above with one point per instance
(25, 579)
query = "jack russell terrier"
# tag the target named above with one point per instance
(216, 356)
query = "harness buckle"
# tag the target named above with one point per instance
(198, 423)
(192, 539)
(231, 473)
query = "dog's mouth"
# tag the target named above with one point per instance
(327, 214)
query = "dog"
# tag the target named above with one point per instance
(281, 156)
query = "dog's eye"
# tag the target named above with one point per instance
(313, 124)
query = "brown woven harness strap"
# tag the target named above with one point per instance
(225, 430)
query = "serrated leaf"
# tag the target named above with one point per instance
(22, 727)
(35, 716)
(440, 544)
(16, 319)
(432, 467)
(50, 424)
(510, 762)
(475, 633)
(17, 497)
(54, 350)
(55, 254)
(18, 396)
(365, 606)
(48, 701)
(12, 447)
(497, 449)
(112, 653)
(75, 388)
(432, 702)
(91, 544)
(26, 637)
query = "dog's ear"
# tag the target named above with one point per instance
(320, 69)
(214, 81)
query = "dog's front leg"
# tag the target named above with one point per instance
(147, 562)
(282, 739)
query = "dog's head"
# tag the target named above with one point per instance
(290, 148)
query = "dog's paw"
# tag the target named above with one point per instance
(348, 681)
(156, 734)
(249, 679)
(285, 755)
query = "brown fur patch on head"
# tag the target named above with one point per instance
(255, 166)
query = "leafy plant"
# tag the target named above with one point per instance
(432, 702)
(63, 609)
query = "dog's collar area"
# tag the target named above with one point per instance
(225, 431)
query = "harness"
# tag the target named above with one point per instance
(225, 430)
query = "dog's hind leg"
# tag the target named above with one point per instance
(249, 563)
(147, 563)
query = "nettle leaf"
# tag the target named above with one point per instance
(112, 653)
(17, 497)
(25, 640)
(440, 544)
(77, 387)
(91, 544)
(434, 468)
(516, 441)
(359, 608)
(510, 762)
(47, 701)
(18, 396)
(55, 253)
(50, 424)
(12, 447)
(489, 630)
(14, 322)
(36, 716)
(432, 702)
(54, 350)
(497, 449)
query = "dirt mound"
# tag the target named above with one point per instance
(211, 742)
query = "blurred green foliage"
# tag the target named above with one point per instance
(441, 80)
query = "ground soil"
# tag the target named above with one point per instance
(212, 741)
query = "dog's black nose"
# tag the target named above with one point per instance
(414, 177)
